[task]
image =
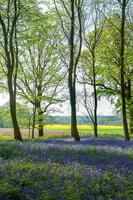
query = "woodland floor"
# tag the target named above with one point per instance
(52, 169)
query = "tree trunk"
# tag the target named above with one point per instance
(29, 124)
(122, 70)
(95, 92)
(129, 99)
(74, 130)
(34, 121)
(40, 125)
(12, 99)
(10, 45)
(95, 114)
(40, 116)
(131, 122)
(95, 130)
(124, 114)
(71, 78)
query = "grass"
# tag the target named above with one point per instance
(5, 137)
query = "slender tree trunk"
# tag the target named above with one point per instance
(41, 132)
(40, 125)
(74, 130)
(131, 122)
(12, 99)
(34, 121)
(95, 94)
(29, 124)
(95, 114)
(129, 99)
(75, 52)
(122, 70)
(71, 78)
(40, 116)
(10, 44)
(95, 111)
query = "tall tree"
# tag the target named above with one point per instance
(40, 77)
(89, 64)
(118, 50)
(9, 18)
(123, 5)
(72, 31)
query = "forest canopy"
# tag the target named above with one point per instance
(49, 49)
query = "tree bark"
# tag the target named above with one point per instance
(71, 78)
(74, 130)
(122, 70)
(95, 113)
(75, 52)
(40, 123)
(34, 121)
(9, 29)
(129, 99)
(29, 126)
(131, 122)
(95, 93)
(12, 95)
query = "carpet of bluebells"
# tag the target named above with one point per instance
(93, 169)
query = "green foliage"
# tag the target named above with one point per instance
(40, 78)
(108, 53)
(22, 114)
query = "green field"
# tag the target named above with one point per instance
(84, 130)
(63, 131)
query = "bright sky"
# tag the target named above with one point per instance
(3, 99)
(104, 107)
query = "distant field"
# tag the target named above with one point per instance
(81, 127)
(63, 131)
(87, 129)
